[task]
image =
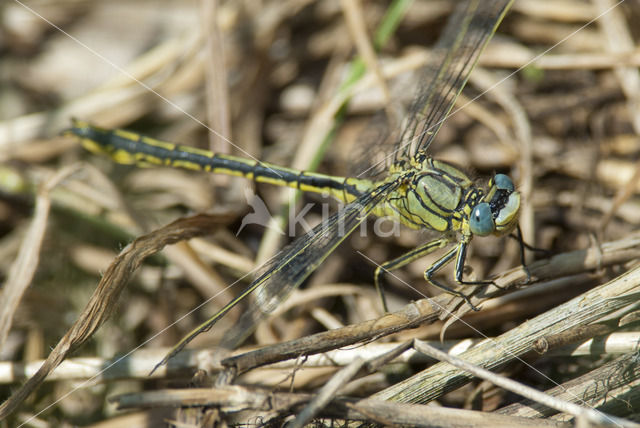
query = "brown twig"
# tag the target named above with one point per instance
(105, 298)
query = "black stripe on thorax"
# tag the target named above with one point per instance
(446, 217)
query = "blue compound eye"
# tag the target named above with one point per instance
(503, 182)
(481, 220)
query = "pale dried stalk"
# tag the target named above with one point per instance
(492, 353)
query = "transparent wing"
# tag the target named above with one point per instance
(456, 53)
(277, 278)
(370, 154)
(288, 269)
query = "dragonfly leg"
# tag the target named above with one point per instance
(461, 252)
(523, 246)
(404, 260)
(522, 261)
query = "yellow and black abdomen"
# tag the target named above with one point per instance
(129, 148)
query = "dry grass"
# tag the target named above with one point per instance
(264, 77)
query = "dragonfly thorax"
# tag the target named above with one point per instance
(442, 197)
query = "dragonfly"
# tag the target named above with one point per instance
(419, 191)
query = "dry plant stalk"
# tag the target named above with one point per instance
(105, 298)
(426, 310)
(237, 398)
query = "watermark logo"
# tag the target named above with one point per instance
(260, 215)
(382, 226)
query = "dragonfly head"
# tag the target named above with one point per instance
(497, 212)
